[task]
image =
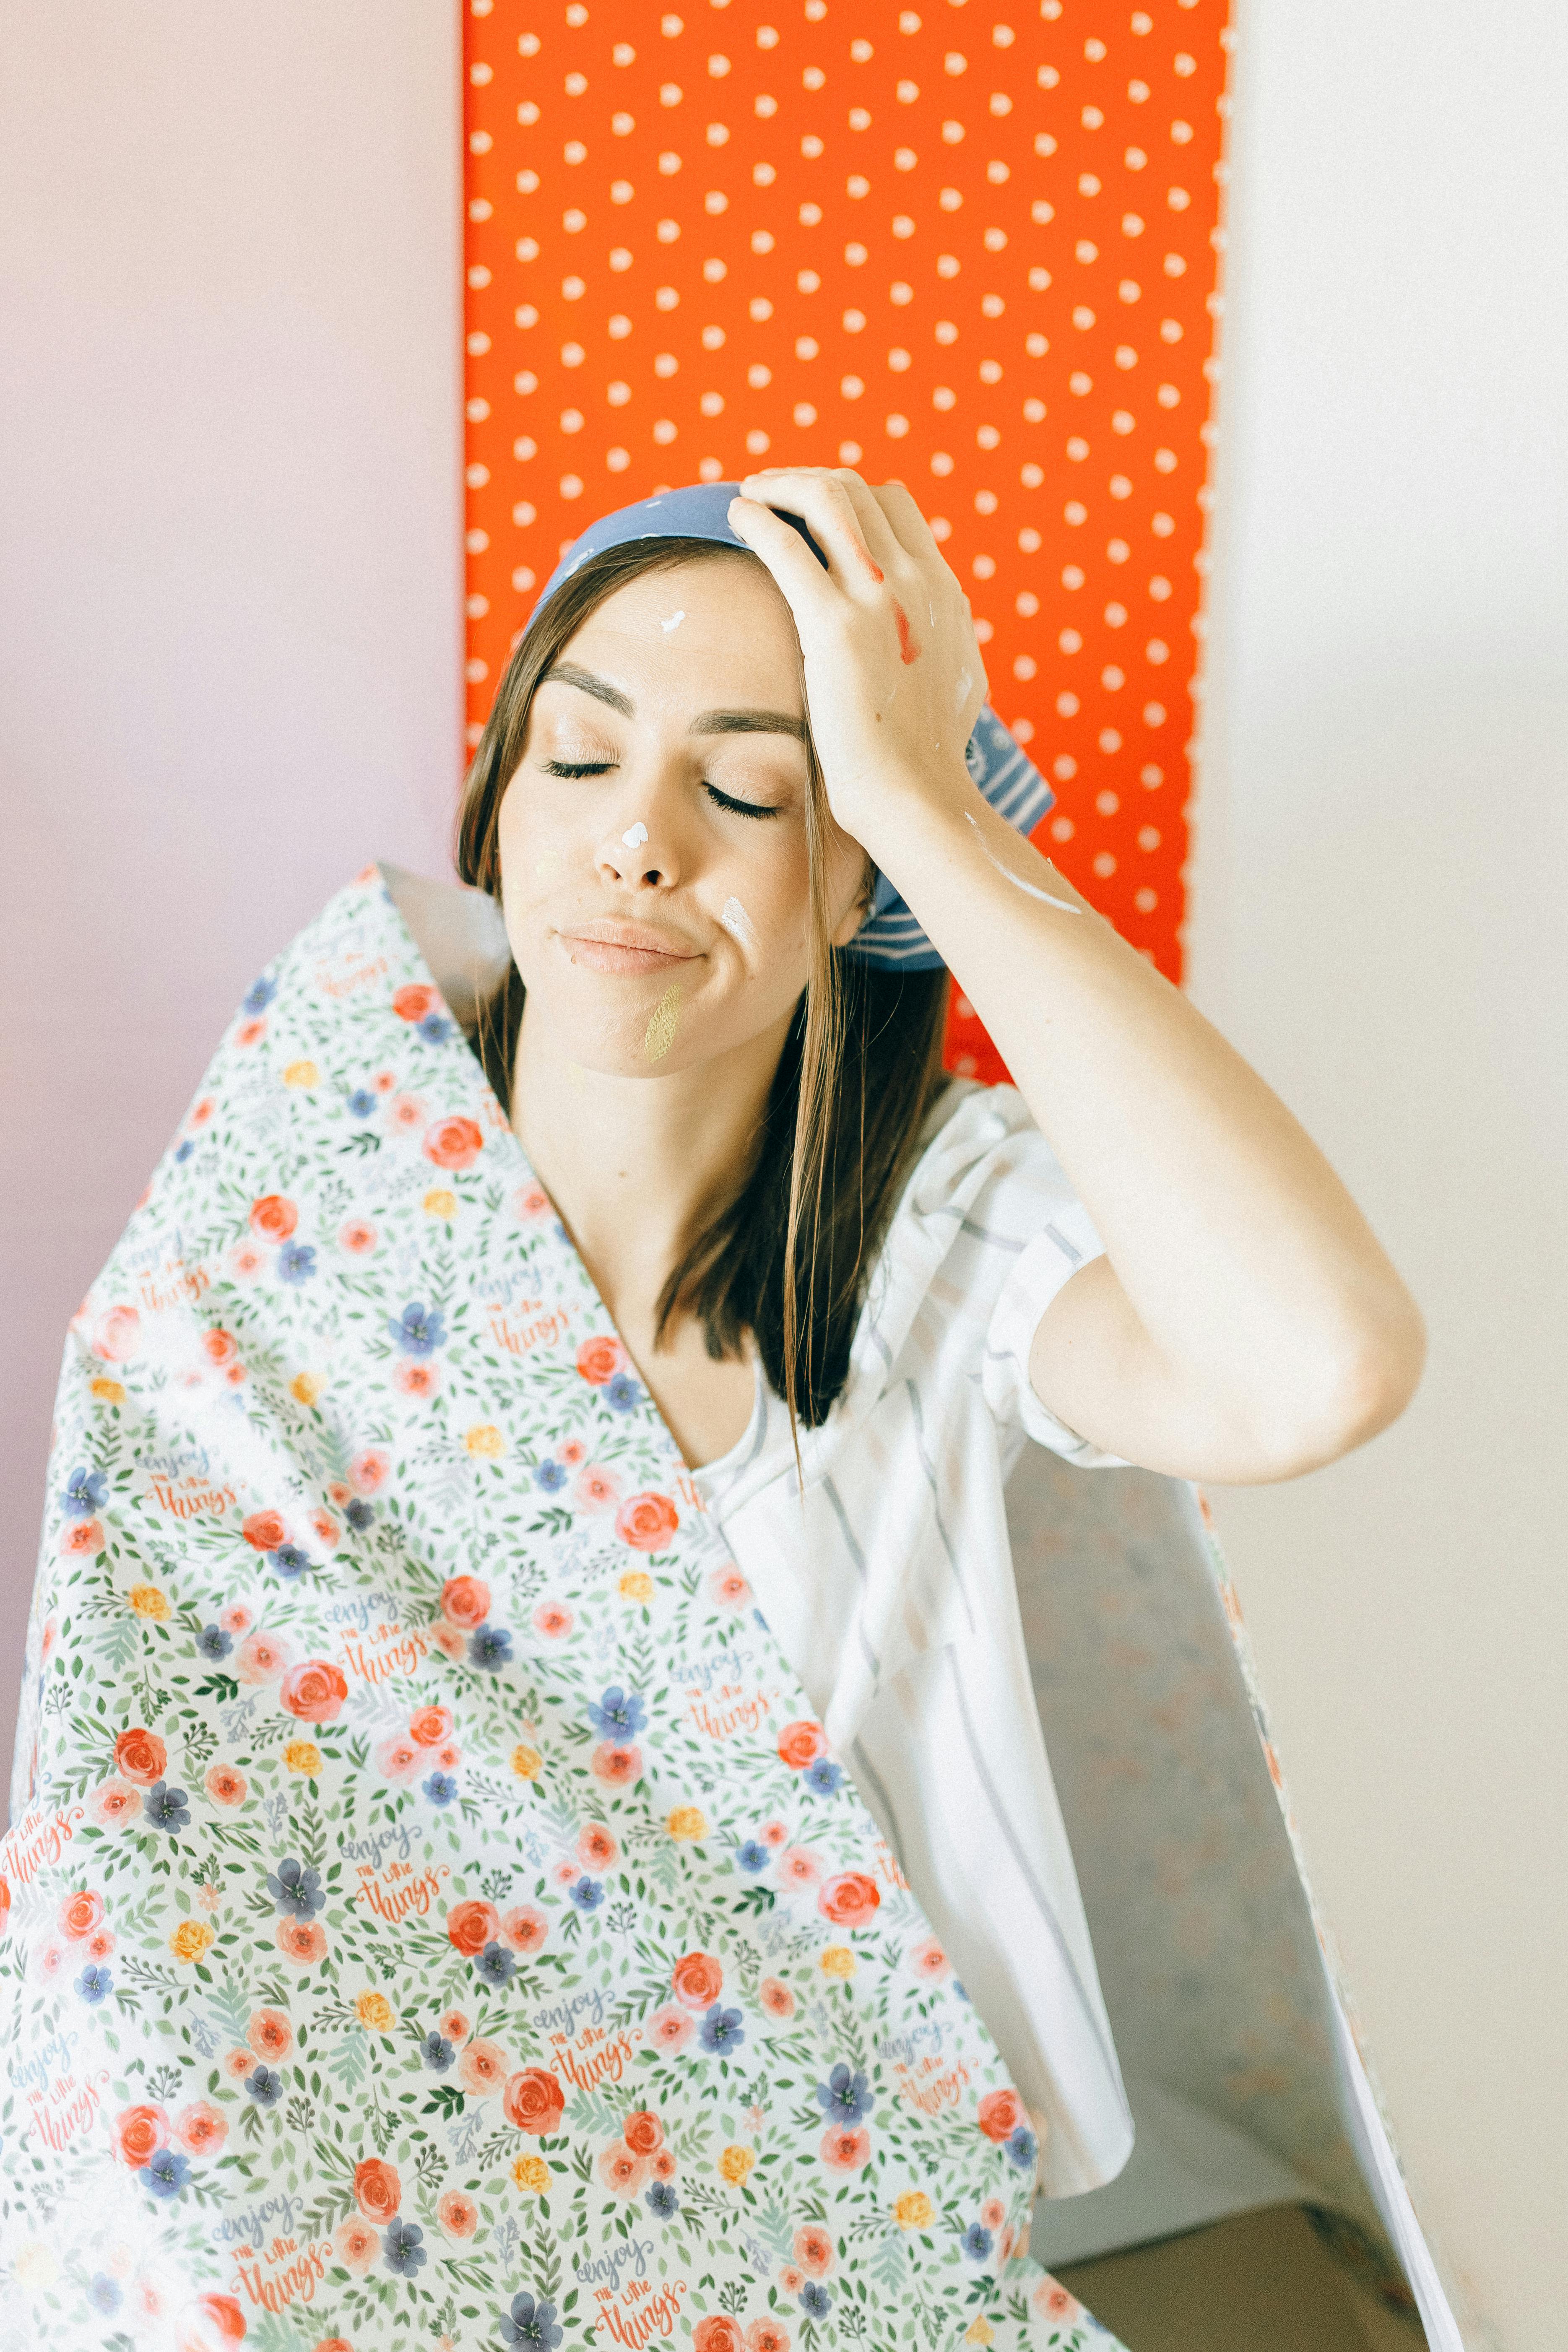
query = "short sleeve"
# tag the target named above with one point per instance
(1068, 1240)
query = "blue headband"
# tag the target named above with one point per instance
(1013, 784)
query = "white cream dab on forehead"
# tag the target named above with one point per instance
(636, 836)
(673, 622)
(738, 923)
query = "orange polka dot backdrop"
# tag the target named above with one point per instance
(971, 246)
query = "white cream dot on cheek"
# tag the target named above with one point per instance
(636, 836)
(738, 923)
(672, 624)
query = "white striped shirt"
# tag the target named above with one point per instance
(889, 1581)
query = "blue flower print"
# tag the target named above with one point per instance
(550, 1476)
(419, 1331)
(296, 1262)
(212, 1642)
(84, 1493)
(844, 2097)
(619, 1715)
(823, 1778)
(94, 1984)
(401, 2250)
(721, 2029)
(296, 1890)
(587, 1893)
(621, 1393)
(185, 1150)
(437, 2052)
(166, 1808)
(362, 1102)
(662, 2200)
(260, 994)
(104, 2294)
(531, 2322)
(167, 2172)
(751, 1856)
(289, 1561)
(976, 2243)
(489, 1646)
(814, 2300)
(440, 1788)
(496, 1965)
(265, 2086)
(434, 1028)
(1022, 2149)
(360, 1515)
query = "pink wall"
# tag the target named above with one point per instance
(230, 612)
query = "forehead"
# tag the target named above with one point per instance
(733, 645)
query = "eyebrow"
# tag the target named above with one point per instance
(707, 723)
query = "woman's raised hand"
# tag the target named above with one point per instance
(894, 679)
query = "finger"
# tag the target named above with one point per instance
(907, 523)
(823, 503)
(876, 528)
(800, 578)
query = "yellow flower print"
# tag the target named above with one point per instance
(914, 2210)
(486, 1441)
(526, 1761)
(980, 2330)
(304, 1757)
(192, 1940)
(440, 1203)
(148, 1601)
(301, 1073)
(532, 2174)
(686, 1821)
(375, 2012)
(306, 1387)
(635, 1585)
(837, 1960)
(109, 1392)
(735, 2163)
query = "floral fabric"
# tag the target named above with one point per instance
(433, 1913)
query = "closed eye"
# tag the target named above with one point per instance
(741, 808)
(578, 767)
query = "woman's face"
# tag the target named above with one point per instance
(653, 843)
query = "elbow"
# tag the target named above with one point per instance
(1379, 1376)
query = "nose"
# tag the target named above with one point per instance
(641, 847)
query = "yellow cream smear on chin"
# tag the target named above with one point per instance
(659, 1035)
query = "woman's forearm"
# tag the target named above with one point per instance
(1244, 1258)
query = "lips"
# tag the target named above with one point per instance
(609, 945)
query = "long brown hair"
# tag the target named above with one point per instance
(787, 1257)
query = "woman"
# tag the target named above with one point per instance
(464, 1523)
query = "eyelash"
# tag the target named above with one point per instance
(602, 768)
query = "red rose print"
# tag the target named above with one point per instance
(458, 2215)
(614, 1765)
(801, 1744)
(767, 2335)
(849, 1899)
(466, 1600)
(136, 2132)
(201, 2128)
(303, 1941)
(413, 1003)
(454, 1143)
(265, 1530)
(844, 2149)
(218, 1346)
(430, 1726)
(1000, 2114)
(814, 2250)
(208, 2323)
(699, 1979)
(646, 1521)
(533, 2101)
(776, 1998)
(141, 1756)
(717, 2333)
(118, 1336)
(622, 2170)
(644, 2133)
(471, 1926)
(273, 1217)
(79, 1914)
(378, 2191)
(525, 1928)
(599, 1360)
(313, 1691)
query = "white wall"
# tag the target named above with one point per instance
(230, 421)
(1379, 924)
